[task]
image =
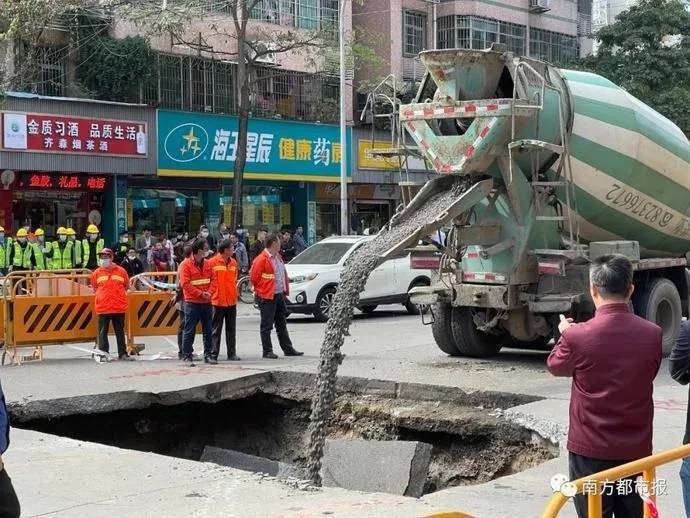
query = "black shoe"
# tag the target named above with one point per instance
(210, 360)
(188, 362)
(271, 356)
(293, 352)
(234, 358)
(125, 357)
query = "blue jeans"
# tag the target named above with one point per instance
(193, 314)
(685, 479)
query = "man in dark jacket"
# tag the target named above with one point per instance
(258, 245)
(613, 360)
(9, 503)
(679, 365)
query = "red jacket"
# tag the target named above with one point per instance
(195, 281)
(263, 276)
(226, 277)
(613, 359)
(111, 289)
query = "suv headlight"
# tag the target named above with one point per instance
(303, 278)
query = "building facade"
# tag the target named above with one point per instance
(65, 162)
(552, 30)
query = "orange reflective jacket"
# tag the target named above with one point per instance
(196, 281)
(226, 279)
(263, 276)
(111, 289)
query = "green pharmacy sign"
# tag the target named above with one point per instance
(202, 145)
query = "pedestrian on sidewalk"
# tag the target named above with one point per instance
(9, 503)
(679, 365)
(198, 286)
(224, 299)
(110, 282)
(613, 360)
(270, 280)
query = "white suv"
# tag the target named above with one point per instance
(314, 275)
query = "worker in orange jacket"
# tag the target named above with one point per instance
(270, 280)
(198, 282)
(110, 282)
(224, 299)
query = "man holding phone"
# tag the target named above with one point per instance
(613, 360)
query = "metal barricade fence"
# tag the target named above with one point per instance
(151, 310)
(46, 307)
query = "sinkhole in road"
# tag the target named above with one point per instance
(472, 440)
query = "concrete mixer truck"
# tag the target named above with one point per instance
(559, 167)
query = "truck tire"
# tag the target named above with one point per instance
(469, 340)
(441, 330)
(659, 302)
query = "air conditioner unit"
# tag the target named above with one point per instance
(539, 6)
(265, 55)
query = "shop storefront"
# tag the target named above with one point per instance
(64, 162)
(286, 162)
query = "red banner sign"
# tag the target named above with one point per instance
(63, 182)
(73, 135)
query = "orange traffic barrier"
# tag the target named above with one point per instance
(647, 466)
(46, 307)
(151, 310)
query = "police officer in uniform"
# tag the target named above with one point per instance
(41, 250)
(91, 248)
(76, 247)
(62, 256)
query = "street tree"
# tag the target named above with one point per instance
(647, 52)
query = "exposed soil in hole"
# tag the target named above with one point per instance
(470, 445)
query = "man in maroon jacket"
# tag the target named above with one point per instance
(613, 359)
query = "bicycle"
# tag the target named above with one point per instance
(244, 289)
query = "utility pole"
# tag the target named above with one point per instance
(344, 150)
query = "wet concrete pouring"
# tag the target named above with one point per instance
(471, 440)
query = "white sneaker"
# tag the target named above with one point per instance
(100, 358)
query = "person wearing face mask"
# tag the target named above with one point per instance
(91, 248)
(62, 251)
(121, 248)
(5, 247)
(110, 282)
(178, 248)
(205, 235)
(41, 250)
(21, 253)
(76, 247)
(132, 264)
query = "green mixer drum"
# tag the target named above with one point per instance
(631, 168)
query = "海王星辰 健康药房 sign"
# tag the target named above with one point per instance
(202, 145)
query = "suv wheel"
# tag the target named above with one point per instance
(323, 304)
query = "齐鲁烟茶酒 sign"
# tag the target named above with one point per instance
(49, 133)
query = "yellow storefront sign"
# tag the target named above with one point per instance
(366, 160)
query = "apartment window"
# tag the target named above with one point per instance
(303, 14)
(216, 6)
(476, 32)
(191, 83)
(552, 46)
(40, 70)
(414, 32)
(285, 94)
